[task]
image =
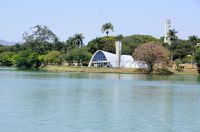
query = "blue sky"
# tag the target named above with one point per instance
(67, 17)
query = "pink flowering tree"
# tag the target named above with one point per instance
(151, 53)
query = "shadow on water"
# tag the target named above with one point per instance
(7, 68)
(18, 69)
(198, 78)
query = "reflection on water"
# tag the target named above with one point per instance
(60, 102)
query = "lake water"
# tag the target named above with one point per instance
(85, 102)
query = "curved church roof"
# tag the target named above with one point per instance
(127, 61)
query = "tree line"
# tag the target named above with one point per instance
(42, 47)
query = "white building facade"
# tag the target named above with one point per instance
(106, 59)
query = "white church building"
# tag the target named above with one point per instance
(106, 59)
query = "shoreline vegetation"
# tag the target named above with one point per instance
(117, 70)
(84, 69)
(171, 71)
(43, 50)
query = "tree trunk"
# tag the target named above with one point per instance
(171, 54)
(193, 59)
(107, 32)
(80, 62)
(150, 67)
(171, 57)
(198, 68)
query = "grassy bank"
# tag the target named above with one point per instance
(185, 72)
(102, 70)
(93, 70)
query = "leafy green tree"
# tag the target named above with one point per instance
(53, 57)
(41, 40)
(6, 58)
(41, 59)
(3, 48)
(193, 40)
(73, 42)
(17, 48)
(181, 49)
(40, 34)
(178, 62)
(70, 57)
(103, 43)
(70, 44)
(161, 40)
(119, 37)
(40, 48)
(130, 43)
(58, 45)
(77, 54)
(151, 53)
(197, 58)
(26, 59)
(95, 44)
(187, 59)
(107, 27)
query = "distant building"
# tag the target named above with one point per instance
(106, 59)
(198, 44)
(167, 28)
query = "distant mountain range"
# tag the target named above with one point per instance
(3, 42)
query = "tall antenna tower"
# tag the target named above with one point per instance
(167, 28)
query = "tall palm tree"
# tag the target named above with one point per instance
(79, 40)
(173, 38)
(194, 40)
(107, 27)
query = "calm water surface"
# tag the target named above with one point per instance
(84, 102)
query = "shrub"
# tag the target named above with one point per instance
(53, 57)
(80, 55)
(26, 59)
(197, 58)
(178, 62)
(6, 58)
